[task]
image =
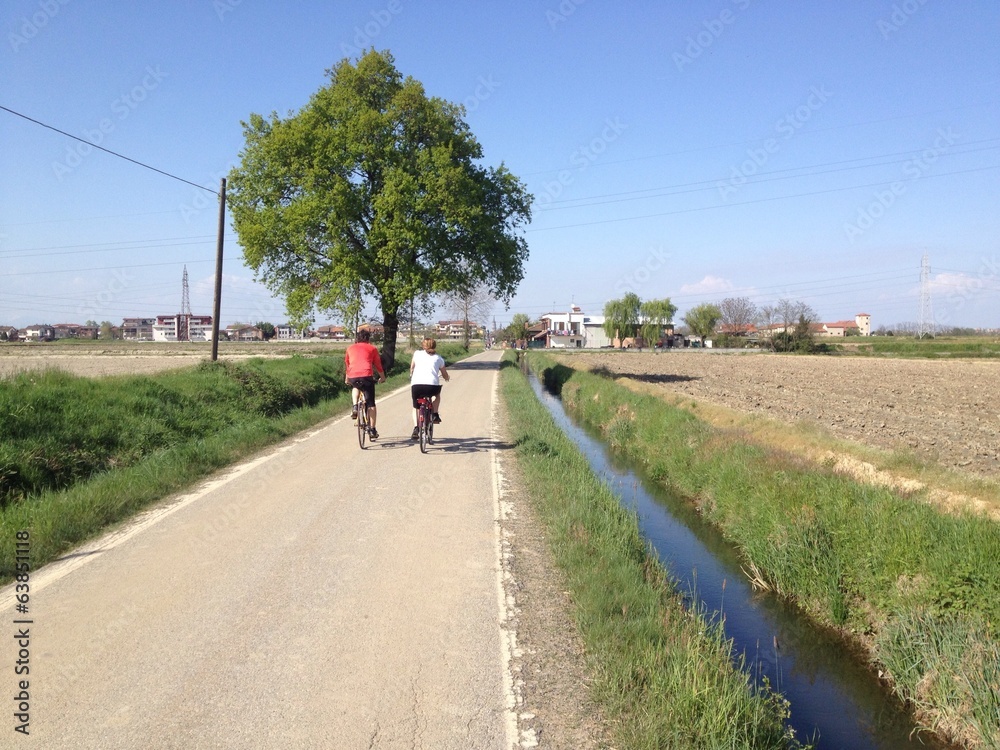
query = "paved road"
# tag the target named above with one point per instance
(318, 597)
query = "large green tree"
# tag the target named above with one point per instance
(703, 319)
(374, 190)
(621, 317)
(656, 314)
(517, 330)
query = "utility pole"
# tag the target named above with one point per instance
(217, 305)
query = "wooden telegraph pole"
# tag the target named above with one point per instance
(216, 310)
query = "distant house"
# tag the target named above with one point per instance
(244, 332)
(334, 333)
(455, 329)
(741, 329)
(171, 328)
(375, 330)
(43, 332)
(572, 330)
(286, 332)
(66, 330)
(138, 329)
(862, 323)
(8, 333)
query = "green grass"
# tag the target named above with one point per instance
(978, 347)
(918, 587)
(59, 429)
(663, 674)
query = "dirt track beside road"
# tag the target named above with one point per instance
(947, 411)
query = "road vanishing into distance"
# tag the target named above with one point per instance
(317, 596)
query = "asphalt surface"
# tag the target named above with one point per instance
(319, 596)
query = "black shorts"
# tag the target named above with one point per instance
(367, 387)
(423, 391)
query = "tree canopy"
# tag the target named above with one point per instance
(517, 330)
(738, 315)
(470, 305)
(621, 317)
(656, 315)
(703, 319)
(374, 190)
(630, 316)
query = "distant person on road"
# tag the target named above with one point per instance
(426, 370)
(361, 362)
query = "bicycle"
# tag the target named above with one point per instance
(425, 423)
(362, 420)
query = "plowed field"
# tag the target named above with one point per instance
(947, 411)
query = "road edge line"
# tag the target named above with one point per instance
(505, 600)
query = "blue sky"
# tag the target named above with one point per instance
(693, 150)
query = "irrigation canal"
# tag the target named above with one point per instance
(835, 700)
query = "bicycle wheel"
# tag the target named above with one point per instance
(362, 422)
(424, 423)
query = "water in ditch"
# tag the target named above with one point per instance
(835, 700)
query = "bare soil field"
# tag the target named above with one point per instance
(943, 411)
(128, 358)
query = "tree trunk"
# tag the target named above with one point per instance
(390, 326)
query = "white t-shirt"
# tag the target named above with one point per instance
(426, 368)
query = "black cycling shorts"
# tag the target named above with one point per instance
(367, 387)
(423, 391)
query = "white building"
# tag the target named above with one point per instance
(573, 330)
(285, 332)
(864, 322)
(167, 328)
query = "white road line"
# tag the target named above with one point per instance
(505, 601)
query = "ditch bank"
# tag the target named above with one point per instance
(913, 589)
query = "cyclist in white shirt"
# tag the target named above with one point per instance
(426, 370)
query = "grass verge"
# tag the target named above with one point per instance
(984, 347)
(663, 674)
(918, 588)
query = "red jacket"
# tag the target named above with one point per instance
(362, 360)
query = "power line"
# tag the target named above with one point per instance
(764, 138)
(52, 271)
(88, 218)
(102, 248)
(772, 176)
(109, 151)
(751, 202)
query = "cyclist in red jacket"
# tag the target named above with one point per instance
(361, 362)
